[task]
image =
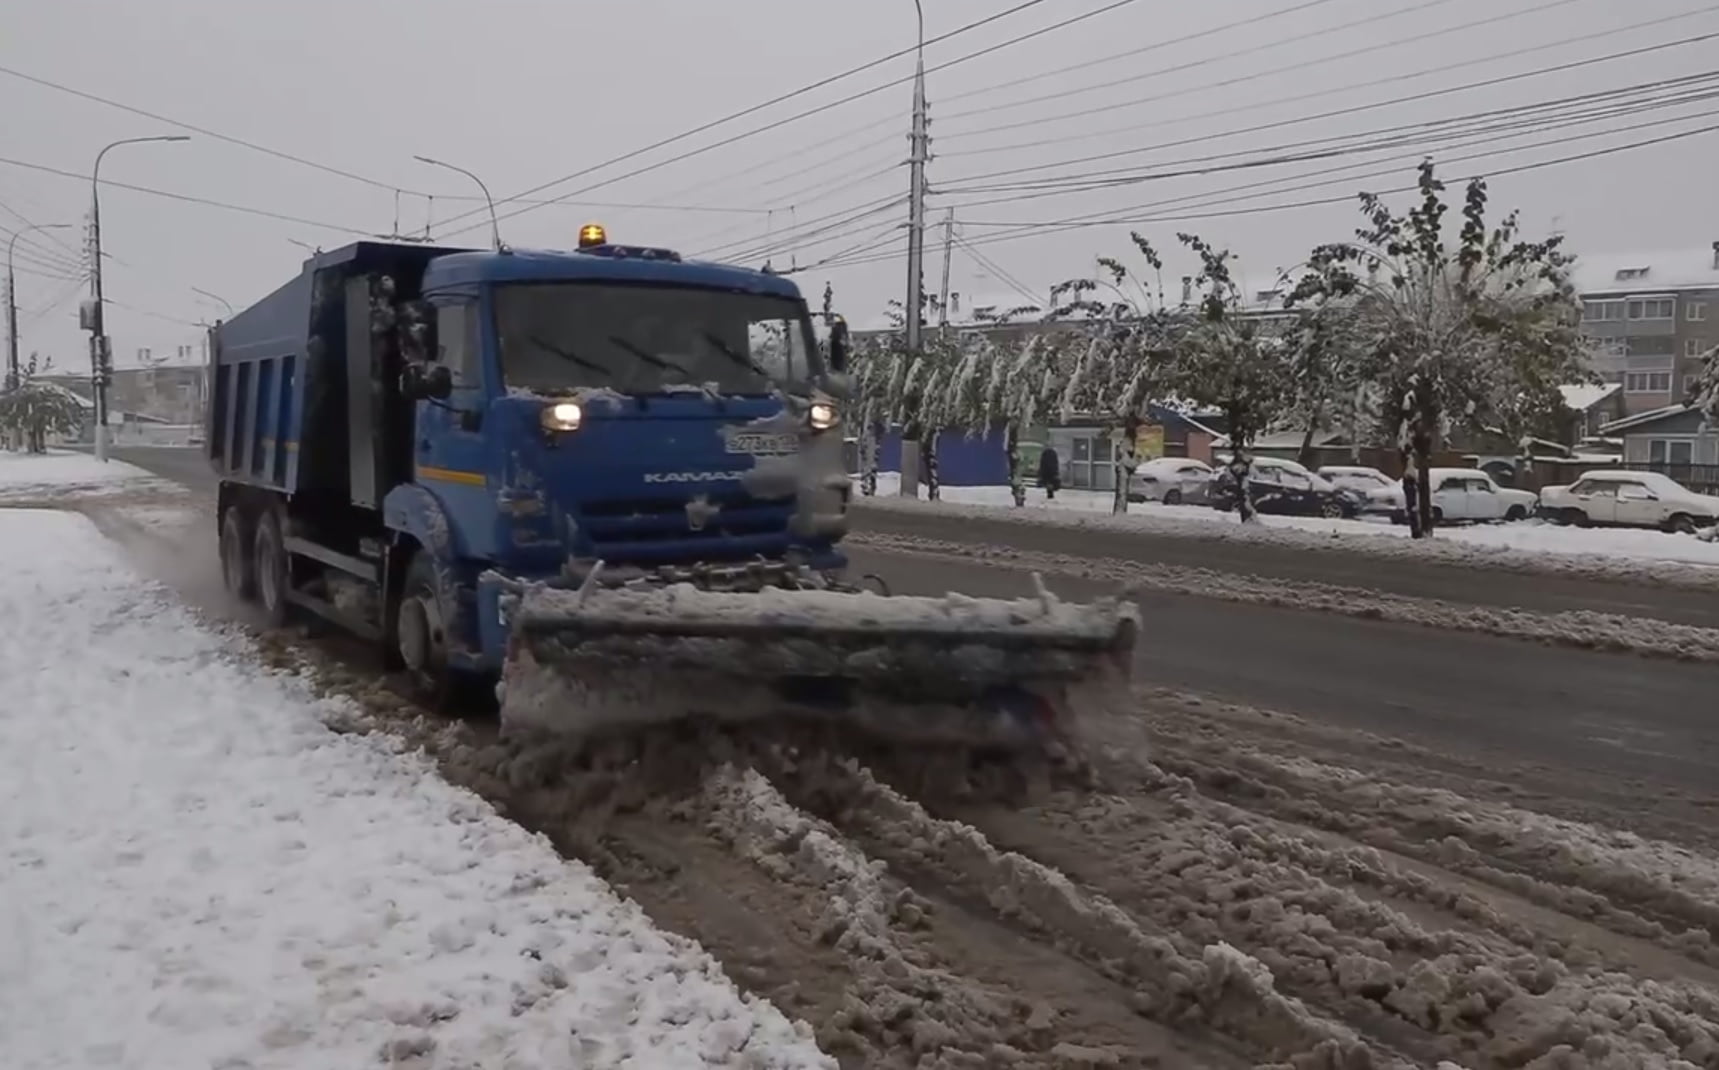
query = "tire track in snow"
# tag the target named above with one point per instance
(1243, 932)
(1581, 629)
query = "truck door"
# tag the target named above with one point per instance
(448, 451)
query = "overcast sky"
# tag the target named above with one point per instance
(527, 91)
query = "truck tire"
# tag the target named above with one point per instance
(237, 572)
(420, 634)
(269, 560)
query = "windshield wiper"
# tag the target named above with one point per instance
(650, 358)
(743, 361)
(569, 355)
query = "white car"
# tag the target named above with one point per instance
(1171, 480)
(1384, 494)
(1623, 499)
(1463, 495)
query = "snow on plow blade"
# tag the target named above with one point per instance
(981, 672)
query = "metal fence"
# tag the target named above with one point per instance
(1701, 478)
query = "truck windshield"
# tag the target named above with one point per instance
(638, 339)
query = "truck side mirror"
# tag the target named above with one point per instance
(426, 382)
(839, 345)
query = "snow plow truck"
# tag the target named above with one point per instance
(607, 484)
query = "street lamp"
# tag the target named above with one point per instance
(494, 226)
(100, 362)
(12, 376)
(226, 304)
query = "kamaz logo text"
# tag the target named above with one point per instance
(693, 477)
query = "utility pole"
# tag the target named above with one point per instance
(948, 255)
(916, 199)
(101, 352)
(13, 376)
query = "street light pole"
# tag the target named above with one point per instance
(494, 225)
(12, 374)
(226, 304)
(101, 364)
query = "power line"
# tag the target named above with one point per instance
(754, 109)
(1357, 108)
(751, 250)
(187, 198)
(214, 134)
(1599, 106)
(795, 117)
(1078, 223)
(1213, 198)
(1159, 72)
(986, 262)
(1367, 49)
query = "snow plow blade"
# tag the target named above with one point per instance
(985, 673)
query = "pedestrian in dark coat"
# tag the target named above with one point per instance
(1050, 475)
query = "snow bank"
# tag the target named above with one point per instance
(35, 475)
(1523, 544)
(199, 873)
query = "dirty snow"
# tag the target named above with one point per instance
(1078, 508)
(25, 476)
(198, 872)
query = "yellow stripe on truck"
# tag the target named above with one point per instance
(451, 475)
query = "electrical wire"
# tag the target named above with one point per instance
(1077, 223)
(187, 198)
(1368, 49)
(690, 153)
(783, 243)
(60, 298)
(1350, 88)
(1207, 198)
(215, 134)
(754, 109)
(1529, 117)
(990, 265)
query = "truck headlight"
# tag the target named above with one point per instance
(563, 416)
(821, 415)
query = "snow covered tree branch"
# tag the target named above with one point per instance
(1479, 334)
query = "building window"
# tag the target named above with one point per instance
(1647, 383)
(1670, 451)
(1602, 311)
(1695, 311)
(1695, 347)
(1652, 308)
(1651, 345)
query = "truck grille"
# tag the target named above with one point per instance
(618, 526)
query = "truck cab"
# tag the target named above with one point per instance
(435, 424)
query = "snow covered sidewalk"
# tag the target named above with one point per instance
(195, 872)
(62, 473)
(1085, 508)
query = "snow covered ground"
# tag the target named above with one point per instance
(198, 872)
(26, 476)
(1078, 507)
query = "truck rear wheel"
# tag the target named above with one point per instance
(237, 571)
(269, 559)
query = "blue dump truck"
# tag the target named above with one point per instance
(609, 480)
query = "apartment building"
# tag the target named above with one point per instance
(1652, 318)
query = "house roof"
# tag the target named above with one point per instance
(1642, 419)
(1659, 271)
(1583, 396)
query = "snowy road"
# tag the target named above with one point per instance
(1243, 886)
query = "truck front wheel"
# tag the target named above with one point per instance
(237, 572)
(420, 633)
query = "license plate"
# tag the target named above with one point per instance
(761, 442)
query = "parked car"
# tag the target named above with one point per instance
(1384, 495)
(1285, 488)
(1470, 495)
(1624, 499)
(1171, 480)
